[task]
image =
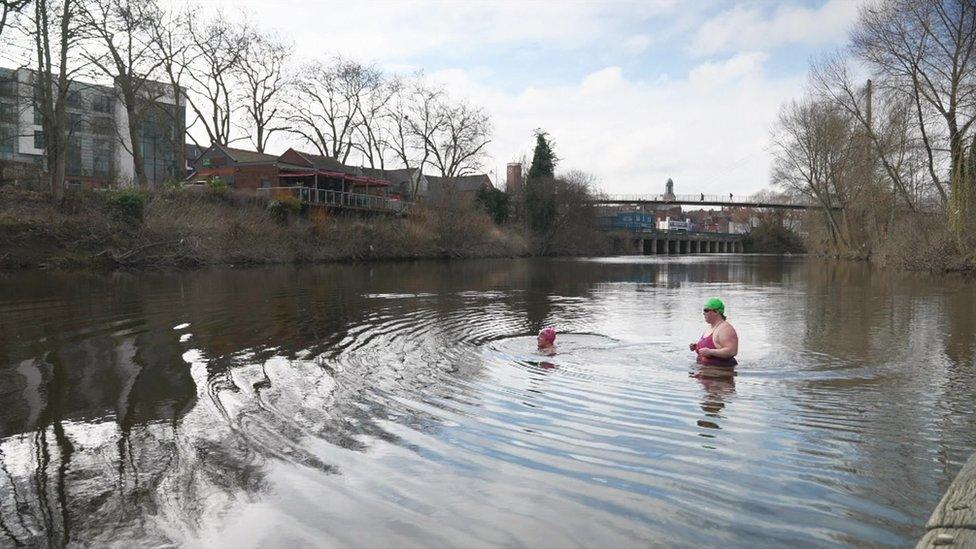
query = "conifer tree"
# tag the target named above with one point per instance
(543, 159)
(540, 203)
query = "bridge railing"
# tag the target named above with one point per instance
(709, 199)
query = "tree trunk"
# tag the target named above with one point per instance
(962, 188)
(134, 137)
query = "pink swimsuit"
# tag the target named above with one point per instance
(706, 343)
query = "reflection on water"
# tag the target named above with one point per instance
(406, 404)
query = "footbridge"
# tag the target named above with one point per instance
(702, 199)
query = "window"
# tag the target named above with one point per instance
(8, 86)
(102, 103)
(8, 113)
(73, 99)
(76, 123)
(102, 126)
(8, 136)
(38, 115)
(102, 157)
(72, 161)
(38, 140)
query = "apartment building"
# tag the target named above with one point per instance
(99, 146)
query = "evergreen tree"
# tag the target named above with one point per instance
(540, 187)
(543, 159)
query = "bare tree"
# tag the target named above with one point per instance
(169, 32)
(394, 126)
(217, 48)
(882, 118)
(459, 139)
(262, 73)
(8, 8)
(817, 155)
(324, 110)
(122, 50)
(369, 119)
(927, 48)
(54, 32)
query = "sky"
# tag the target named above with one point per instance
(632, 93)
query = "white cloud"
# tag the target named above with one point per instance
(707, 130)
(717, 73)
(747, 27)
(388, 31)
(637, 43)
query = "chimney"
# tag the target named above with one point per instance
(513, 177)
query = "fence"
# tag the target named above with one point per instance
(337, 199)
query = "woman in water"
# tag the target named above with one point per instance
(547, 341)
(719, 344)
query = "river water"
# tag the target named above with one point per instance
(404, 405)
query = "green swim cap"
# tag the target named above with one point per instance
(716, 304)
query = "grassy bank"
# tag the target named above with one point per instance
(198, 227)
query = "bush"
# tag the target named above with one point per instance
(126, 204)
(280, 209)
(773, 239)
(496, 202)
(173, 184)
(216, 184)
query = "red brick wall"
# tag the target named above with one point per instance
(226, 174)
(249, 178)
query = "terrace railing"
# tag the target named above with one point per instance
(337, 199)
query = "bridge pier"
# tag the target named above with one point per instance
(682, 244)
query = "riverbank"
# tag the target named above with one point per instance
(953, 523)
(202, 227)
(908, 241)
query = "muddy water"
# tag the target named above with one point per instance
(404, 405)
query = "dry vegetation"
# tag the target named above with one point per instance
(186, 227)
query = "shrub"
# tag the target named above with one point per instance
(126, 204)
(774, 239)
(496, 202)
(280, 208)
(216, 184)
(173, 184)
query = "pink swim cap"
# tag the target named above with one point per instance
(548, 334)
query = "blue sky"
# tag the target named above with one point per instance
(631, 92)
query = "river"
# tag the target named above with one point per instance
(403, 404)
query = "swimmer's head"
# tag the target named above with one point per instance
(547, 336)
(715, 304)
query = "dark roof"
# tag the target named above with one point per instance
(463, 183)
(245, 156)
(328, 164)
(395, 177)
